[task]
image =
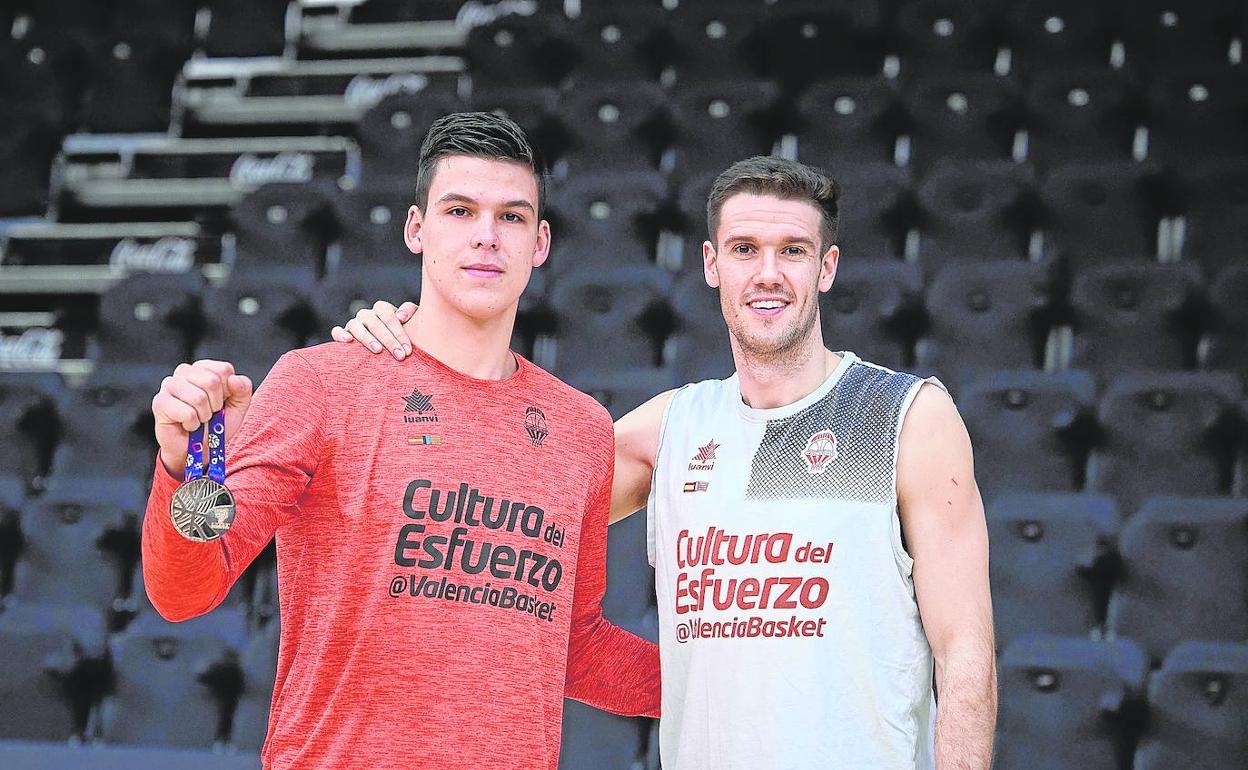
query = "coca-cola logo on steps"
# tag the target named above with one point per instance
(166, 255)
(31, 347)
(250, 171)
(365, 90)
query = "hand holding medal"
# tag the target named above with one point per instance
(198, 408)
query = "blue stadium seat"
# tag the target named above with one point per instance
(29, 423)
(848, 119)
(1069, 702)
(613, 125)
(369, 226)
(171, 684)
(1134, 315)
(107, 424)
(868, 310)
(985, 315)
(76, 540)
(1164, 433)
(533, 107)
(1028, 428)
(1052, 562)
(1160, 35)
(285, 227)
(1040, 32)
(617, 41)
(390, 134)
(720, 122)
(1185, 573)
(1215, 206)
(596, 739)
(52, 670)
(1098, 212)
(876, 210)
(1197, 703)
(1082, 114)
(713, 42)
(962, 116)
(522, 50)
(943, 35)
(253, 320)
(698, 349)
(149, 318)
(607, 219)
(808, 40)
(251, 714)
(1198, 113)
(337, 300)
(606, 317)
(130, 80)
(1228, 329)
(974, 210)
(621, 390)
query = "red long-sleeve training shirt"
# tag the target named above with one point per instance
(441, 555)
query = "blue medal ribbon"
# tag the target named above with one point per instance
(206, 448)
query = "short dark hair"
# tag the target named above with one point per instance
(786, 179)
(480, 135)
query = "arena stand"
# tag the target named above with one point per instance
(1045, 205)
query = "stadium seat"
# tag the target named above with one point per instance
(597, 739)
(251, 714)
(1041, 32)
(962, 116)
(1197, 702)
(52, 670)
(1185, 573)
(1215, 207)
(613, 125)
(621, 390)
(1082, 114)
(1069, 702)
(974, 210)
(1224, 347)
(619, 304)
(1129, 316)
(1160, 35)
(107, 424)
(942, 35)
(1102, 211)
(129, 87)
(246, 27)
(149, 318)
(698, 349)
(607, 218)
(848, 119)
(533, 108)
(713, 42)
(28, 422)
(876, 211)
(283, 226)
(808, 40)
(630, 578)
(41, 79)
(1164, 433)
(337, 300)
(252, 322)
(390, 134)
(171, 686)
(718, 123)
(77, 538)
(870, 310)
(522, 50)
(1198, 113)
(617, 41)
(1052, 562)
(985, 315)
(1028, 428)
(368, 229)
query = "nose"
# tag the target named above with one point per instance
(768, 268)
(486, 235)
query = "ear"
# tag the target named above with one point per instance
(411, 230)
(827, 268)
(709, 266)
(542, 249)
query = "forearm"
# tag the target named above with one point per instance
(966, 711)
(613, 670)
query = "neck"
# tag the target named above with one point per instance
(478, 349)
(767, 383)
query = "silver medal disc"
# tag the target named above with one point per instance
(202, 510)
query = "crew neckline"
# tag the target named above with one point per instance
(788, 410)
(518, 376)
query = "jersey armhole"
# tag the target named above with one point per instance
(651, 524)
(904, 560)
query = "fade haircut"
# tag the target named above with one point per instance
(478, 135)
(785, 179)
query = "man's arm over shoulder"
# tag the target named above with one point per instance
(269, 465)
(942, 517)
(636, 446)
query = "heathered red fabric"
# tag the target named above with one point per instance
(332, 457)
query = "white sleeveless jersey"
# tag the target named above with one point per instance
(788, 626)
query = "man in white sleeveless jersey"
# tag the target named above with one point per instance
(818, 539)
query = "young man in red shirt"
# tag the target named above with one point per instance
(440, 521)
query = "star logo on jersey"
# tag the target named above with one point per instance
(418, 402)
(820, 451)
(704, 459)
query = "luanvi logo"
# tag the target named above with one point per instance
(704, 460)
(535, 425)
(419, 403)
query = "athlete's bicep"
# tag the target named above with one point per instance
(636, 444)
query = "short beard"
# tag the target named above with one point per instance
(786, 352)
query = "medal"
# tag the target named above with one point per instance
(202, 508)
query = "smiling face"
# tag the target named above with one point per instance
(768, 267)
(479, 234)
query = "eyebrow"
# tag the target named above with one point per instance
(747, 238)
(519, 203)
